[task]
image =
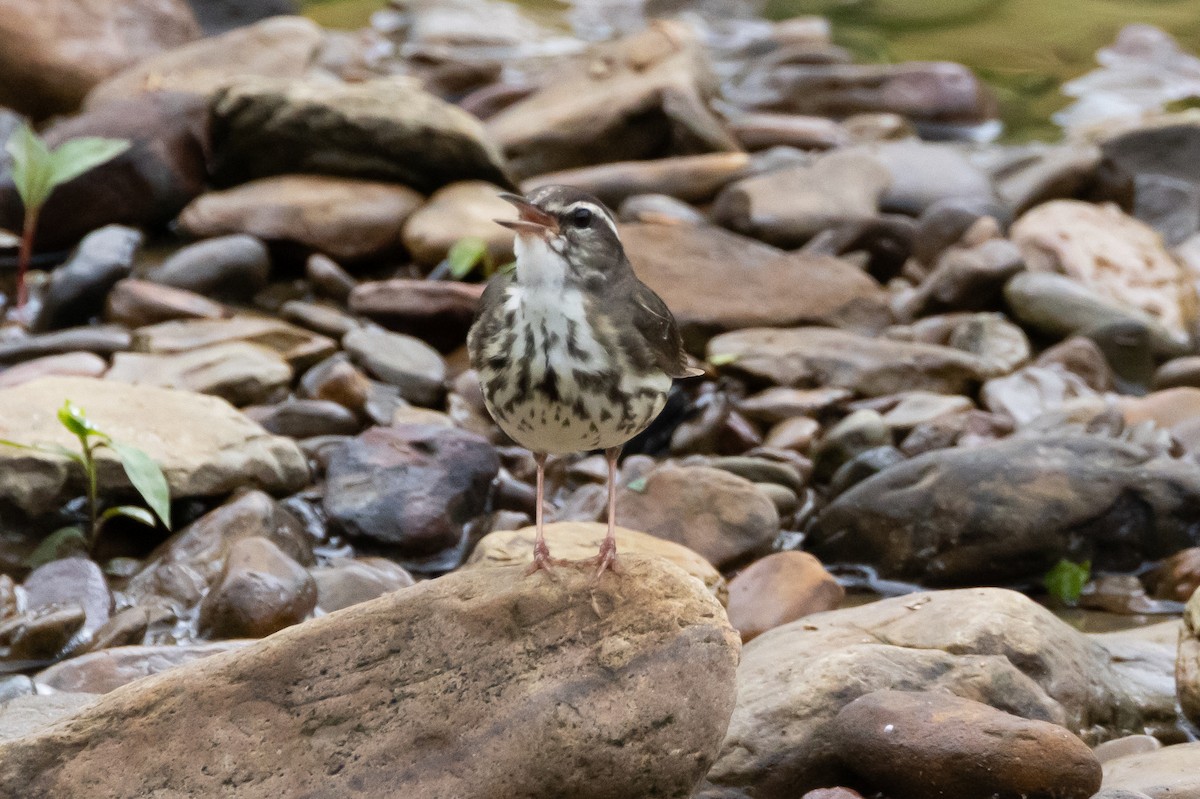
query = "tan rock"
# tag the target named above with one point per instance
(1109, 251)
(279, 47)
(55, 51)
(966, 749)
(691, 178)
(819, 356)
(260, 590)
(481, 665)
(581, 540)
(69, 364)
(135, 303)
(780, 588)
(458, 211)
(1167, 773)
(1187, 662)
(299, 347)
(714, 281)
(203, 445)
(109, 669)
(239, 372)
(345, 218)
(720, 516)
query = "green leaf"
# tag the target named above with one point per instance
(722, 358)
(637, 485)
(73, 418)
(1066, 580)
(465, 255)
(130, 512)
(508, 268)
(75, 156)
(50, 449)
(59, 544)
(32, 167)
(147, 478)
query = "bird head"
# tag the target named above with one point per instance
(570, 224)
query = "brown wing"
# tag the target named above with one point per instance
(489, 317)
(653, 320)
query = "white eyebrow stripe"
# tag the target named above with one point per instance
(598, 211)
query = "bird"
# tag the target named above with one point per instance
(574, 353)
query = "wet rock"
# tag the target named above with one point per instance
(77, 289)
(137, 303)
(109, 669)
(285, 47)
(23, 715)
(181, 568)
(328, 278)
(1028, 393)
(349, 581)
(641, 97)
(925, 173)
(722, 517)
(437, 311)
(239, 372)
(386, 129)
(1152, 158)
(965, 279)
(96, 339)
(411, 488)
(231, 267)
(55, 54)
(11, 687)
(70, 581)
(778, 589)
(260, 590)
(932, 93)
(1178, 372)
(715, 281)
(1059, 306)
(1126, 745)
(808, 356)
(1162, 774)
(764, 130)
(70, 364)
(865, 464)
(458, 211)
(337, 380)
(691, 178)
(988, 645)
(299, 347)
(659, 209)
(921, 407)
(303, 418)
(662, 627)
(860, 431)
(144, 187)
(344, 218)
(1115, 255)
(402, 361)
(787, 207)
(1178, 576)
(1083, 497)
(42, 634)
(128, 627)
(965, 748)
(216, 451)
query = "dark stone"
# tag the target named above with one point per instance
(218, 16)
(1161, 166)
(410, 487)
(1011, 510)
(228, 267)
(78, 288)
(305, 418)
(102, 340)
(144, 187)
(862, 466)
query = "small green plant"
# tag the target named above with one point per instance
(1066, 580)
(139, 467)
(468, 254)
(37, 171)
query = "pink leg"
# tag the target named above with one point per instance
(607, 559)
(541, 552)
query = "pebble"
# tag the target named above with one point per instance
(405, 362)
(231, 267)
(260, 590)
(779, 589)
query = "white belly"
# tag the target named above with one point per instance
(575, 416)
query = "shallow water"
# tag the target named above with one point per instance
(1026, 49)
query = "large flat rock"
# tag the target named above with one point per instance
(483, 683)
(204, 446)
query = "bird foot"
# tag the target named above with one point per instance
(606, 559)
(542, 560)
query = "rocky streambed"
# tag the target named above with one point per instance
(948, 381)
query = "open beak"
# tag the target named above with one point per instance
(531, 219)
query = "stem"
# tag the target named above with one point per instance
(89, 466)
(25, 254)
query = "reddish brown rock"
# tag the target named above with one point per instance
(778, 589)
(260, 590)
(438, 311)
(135, 303)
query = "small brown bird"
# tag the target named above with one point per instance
(573, 351)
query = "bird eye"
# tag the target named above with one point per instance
(581, 217)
